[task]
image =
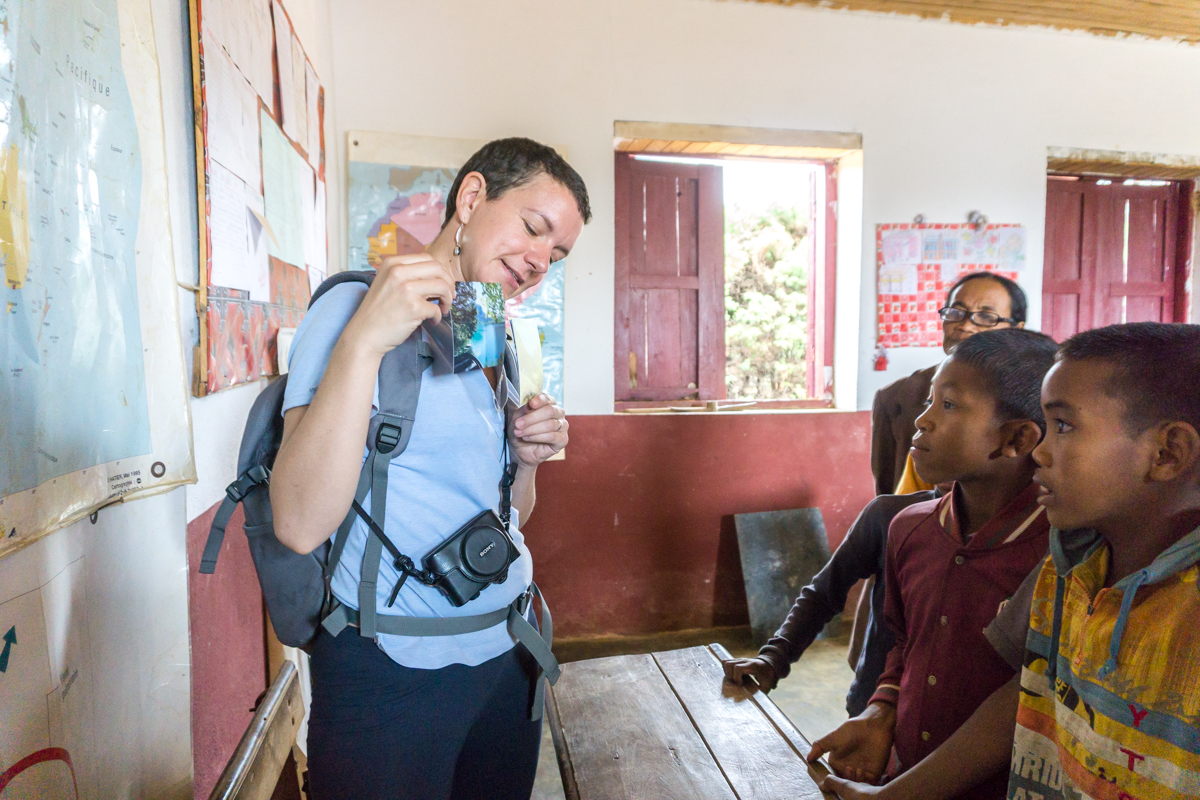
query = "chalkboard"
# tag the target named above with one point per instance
(781, 552)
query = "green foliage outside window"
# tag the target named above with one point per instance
(766, 303)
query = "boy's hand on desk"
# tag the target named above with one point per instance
(738, 669)
(860, 748)
(849, 790)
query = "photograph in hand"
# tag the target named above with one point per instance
(473, 332)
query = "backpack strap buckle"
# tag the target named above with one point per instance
(387, 437)
(255, 476)
(523, 601)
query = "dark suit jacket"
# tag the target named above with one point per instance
(893, 424)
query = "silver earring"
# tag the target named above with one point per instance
(458, 240)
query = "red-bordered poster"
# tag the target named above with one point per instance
(917, 265)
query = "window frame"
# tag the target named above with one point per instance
(822, 293)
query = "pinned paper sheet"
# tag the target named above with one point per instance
(238, 255)
(527, 341)
(284, 175)
(283, 348)
(300, 91)
(232, 108)
(901, 246)
(243, 27)
(318, 257)
(283, 52)
(313, 90)
(308, 214)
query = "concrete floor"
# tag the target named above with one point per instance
(813, 696)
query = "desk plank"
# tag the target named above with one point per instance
(624, 734)
(756, 758)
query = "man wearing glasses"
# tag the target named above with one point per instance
(980, 301)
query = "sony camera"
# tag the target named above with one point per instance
(475, 556)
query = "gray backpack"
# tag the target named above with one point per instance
(297, 587)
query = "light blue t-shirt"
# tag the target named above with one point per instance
(449, 472)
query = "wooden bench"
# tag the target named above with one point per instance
(253, 771)
(666, 725)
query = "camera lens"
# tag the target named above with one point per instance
(485, 552)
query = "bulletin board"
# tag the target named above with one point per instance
(917, 265)
(260, 163)
(396, 203)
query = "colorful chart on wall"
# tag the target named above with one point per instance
(919, 263)
(93, 393)
(396, 205)
(260, 113)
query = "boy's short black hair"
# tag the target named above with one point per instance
(1156, 369)
(1016, 295)
(508, 163)
(1013, 362)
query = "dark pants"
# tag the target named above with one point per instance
(380, 730)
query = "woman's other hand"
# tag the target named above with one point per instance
(399, 300)
(539, 430)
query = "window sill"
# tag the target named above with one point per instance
(719, 407)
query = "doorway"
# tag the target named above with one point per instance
(1117, 250)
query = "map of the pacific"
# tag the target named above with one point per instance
(71, 348)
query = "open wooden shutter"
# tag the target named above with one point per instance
(1112, 254)
(670, 281)
(1138, 281)
(1070, 256)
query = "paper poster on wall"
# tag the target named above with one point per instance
(243, 27)
(398, 187)
(263, 241)
(47, 745)
(93, 391)
(917, 265)
(232, 118)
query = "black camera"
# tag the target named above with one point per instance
(476, 555)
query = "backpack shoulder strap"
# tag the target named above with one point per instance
(349, 276)
(260, 443)
(388, 435)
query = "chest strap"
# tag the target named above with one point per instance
(538, 644)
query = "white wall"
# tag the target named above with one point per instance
(953, 117)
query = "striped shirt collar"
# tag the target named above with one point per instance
(1014, 520)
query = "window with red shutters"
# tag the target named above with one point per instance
(1115, 252)
(671, 293)
(670, 281)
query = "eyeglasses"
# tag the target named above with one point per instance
(984, 319)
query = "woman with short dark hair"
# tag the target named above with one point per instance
(431, 716)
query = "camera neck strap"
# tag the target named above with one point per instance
(508, 478)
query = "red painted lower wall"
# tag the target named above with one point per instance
(229, 661)
(633, 532)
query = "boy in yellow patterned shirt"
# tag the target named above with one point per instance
(1107, 631)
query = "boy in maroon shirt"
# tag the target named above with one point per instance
(952, 561)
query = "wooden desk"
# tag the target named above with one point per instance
(666, 725)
